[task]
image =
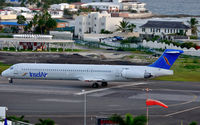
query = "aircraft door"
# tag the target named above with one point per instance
(15, 70)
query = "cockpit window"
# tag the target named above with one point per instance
(11, 68)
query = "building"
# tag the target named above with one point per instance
(7, 15)
(165, 28)
(13, 1)
(130, 6)
(62, 23)
(75, 5)
(18, 9)
(27, 13)
(95, 22)
(61, 6)
(35, 42)
(56, 13)
(103, 6)
(136, 7)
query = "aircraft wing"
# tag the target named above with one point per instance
(90, 79)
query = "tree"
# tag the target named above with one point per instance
(15, 118)
(131, 27)
(28, 27)
(125, 26)
(129, 119)
(193, 22)
(193, 123)
(50, 24)
(21, 19)
(45, 122)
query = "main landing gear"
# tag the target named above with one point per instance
(96, 85)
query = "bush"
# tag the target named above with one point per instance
(105, 31)
(195, 60)
(193, 37)
(191, 66)
(131, 40)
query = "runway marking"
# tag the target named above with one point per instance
(179, 112)
(98, 90)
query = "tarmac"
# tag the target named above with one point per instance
(63, 101)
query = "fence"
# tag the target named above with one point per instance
(154, 45)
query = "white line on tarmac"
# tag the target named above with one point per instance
(99, 90)
(186, 110)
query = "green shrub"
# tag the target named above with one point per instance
(191, 66)
(193, 37)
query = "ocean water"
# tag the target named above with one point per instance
(173, 7)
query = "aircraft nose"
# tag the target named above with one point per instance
(4, 73)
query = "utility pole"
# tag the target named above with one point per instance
(85, 107)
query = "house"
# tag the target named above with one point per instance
(94, 22)
(61, 6)
(75, 5)
(164, 28)
(103, 6)
(122, 5)
(7, 14)
(56, 13)
(62, 23)
(13, 1)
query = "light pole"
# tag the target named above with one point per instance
(147, 91)
(85, 106)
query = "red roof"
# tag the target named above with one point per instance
(77, 3)
(34, 9)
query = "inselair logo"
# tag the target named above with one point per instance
(38, 75)
(166, 60)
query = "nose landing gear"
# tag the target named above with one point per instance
(10, 80)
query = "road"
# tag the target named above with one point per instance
(63, 101)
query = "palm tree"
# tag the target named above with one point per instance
(193, 22)
(45, 122)
(21, 19)
(131, 27)
(15, 118)
(129, 119)
(125, 26)
(50, 24)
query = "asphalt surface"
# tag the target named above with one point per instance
(63, 101)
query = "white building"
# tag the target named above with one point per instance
(56, 13)
(135, 6)
(13, 1)
(165, 28)
(95, 22)
(61, 6)
(123, 5)
(103, 6)
(18, 9)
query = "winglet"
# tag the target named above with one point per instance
(167, 59)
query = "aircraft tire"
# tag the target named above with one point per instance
(10, 80)
(95, 85)
(104, 84)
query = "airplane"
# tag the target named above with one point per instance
(94, 73)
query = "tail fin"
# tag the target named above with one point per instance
(167, 59)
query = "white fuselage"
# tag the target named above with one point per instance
(83, 72)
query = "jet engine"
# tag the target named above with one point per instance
(131, 74)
